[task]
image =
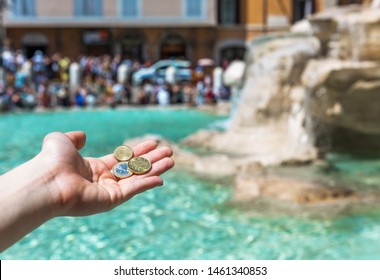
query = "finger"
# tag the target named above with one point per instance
(159, 167)
(139, 149)
(52, 136)
(135, 187)
(144, 147)
(140, 183)
(158, 154)
(78, 138)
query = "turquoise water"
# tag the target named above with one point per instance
(188, 218)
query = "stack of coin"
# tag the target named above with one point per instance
(129, 165)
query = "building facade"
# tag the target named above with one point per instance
(148, 29)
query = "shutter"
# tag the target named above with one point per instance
(17, 7)
(129, 8)
(30, 7)
(193, 8)
(78, 7)
(98, 7)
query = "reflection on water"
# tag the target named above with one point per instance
(188, 218)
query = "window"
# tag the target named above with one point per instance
(228, 11)
(348, 2)
(129, 8)
(24, 8)
(302, 8)
(88, 7)
(193, 8)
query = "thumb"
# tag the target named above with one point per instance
(78, 138)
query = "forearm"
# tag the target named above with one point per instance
(25, 201)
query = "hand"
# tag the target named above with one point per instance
(59, 181)
(84, 186)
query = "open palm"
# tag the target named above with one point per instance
(85, 186)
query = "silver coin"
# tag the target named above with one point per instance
(121, 170)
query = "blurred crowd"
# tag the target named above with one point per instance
(44, 81)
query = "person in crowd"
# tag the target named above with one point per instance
(64, 63)
(189, 93)
(177, 94)
(163, 96)
(80, 97)
(44, 95)
(127, 92)
(63, 95)
(49, 77)
(201, 91)
(117, 91)
(20, 78)
(29, 100)
(149, 92)
(209, 96)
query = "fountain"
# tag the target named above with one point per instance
(307, 92)
(267, 127)
(342, 88)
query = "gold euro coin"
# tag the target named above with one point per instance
(123, 153)
(139, 165)
(121, 171)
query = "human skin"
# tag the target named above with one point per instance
(58, 181)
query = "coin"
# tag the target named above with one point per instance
(123, 153)
(121, 171)
(139, 165)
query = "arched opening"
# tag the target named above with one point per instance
(32, 42)
(132, 45)
(229, 50)
(232, 53)
(173, 46)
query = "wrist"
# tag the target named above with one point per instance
(43, 184)
(25, 200)
(30, 184)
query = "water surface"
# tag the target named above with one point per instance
(188, 218)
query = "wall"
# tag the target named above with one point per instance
(153, 13)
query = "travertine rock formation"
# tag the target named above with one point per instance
(349, 32)
(299, 90)
(268, 124)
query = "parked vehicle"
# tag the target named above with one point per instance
(158, 71)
